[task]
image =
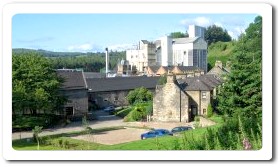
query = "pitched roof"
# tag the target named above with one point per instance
(188, 68)
(72, 79)
(184, 40)
(145, 41)
(154, 68)
(203, 82)
(217, 70)
(167, 67)
(120, 83)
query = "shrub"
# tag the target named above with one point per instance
(137, 112)
(139, 95)
(209, 111)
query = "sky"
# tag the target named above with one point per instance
(95, 32)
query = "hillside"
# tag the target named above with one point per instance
(89, 62)
(220, 51)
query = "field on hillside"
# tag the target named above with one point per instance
(220, 51)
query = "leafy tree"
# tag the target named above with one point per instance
(241, 95)
(179, 35)
(139, 95)
(209, 111)
(35, 84)
(36, 131)
(215, 33)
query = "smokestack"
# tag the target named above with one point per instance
(107, 61)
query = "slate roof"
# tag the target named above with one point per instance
(188, 68)
(166, 68)
(184, 40)
(72, 79)
(154, 68)
(145, 41)
(203, 82)
(94, 75)
(120, 83)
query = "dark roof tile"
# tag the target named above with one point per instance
(120, 83)
(72, 79)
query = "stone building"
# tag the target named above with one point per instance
(104, 92)
(181, 99)
(219, 69)
(170, 102)
(74, 88)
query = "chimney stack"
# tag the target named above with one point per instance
(107, 61)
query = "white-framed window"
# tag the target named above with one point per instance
(203, 95)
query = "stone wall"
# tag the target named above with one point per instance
(115, 98)
(167, 102)
(201, 102)
(78, 99)
(105, 99)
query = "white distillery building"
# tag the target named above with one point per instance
(190, 51)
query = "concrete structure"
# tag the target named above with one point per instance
(165, 51)
(196, 31)
(182, 98)
(190, 52)
(143, 56)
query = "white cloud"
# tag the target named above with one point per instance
(120, 47)
(200, 21)
(81, 48)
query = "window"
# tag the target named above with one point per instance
(204, 111)
(131, 56)
(203, 95)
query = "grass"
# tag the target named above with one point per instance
(220, 51)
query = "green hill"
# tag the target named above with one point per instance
(220, 51)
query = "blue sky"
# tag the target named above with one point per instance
(94, 32)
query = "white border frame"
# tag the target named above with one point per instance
(265, 10)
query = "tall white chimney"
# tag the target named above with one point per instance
(107, 61)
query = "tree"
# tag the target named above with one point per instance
(179, 35)
(215, 33)
(241, 95)
(36, 131)
(139, 95)
(35, 84)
